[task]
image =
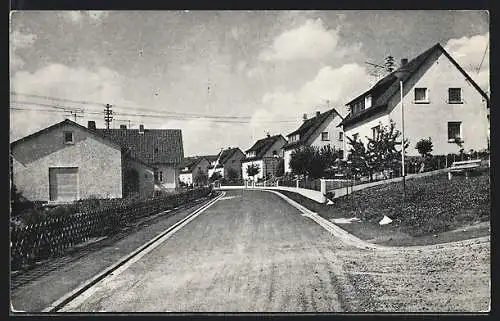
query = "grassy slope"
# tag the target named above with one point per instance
(433, 205)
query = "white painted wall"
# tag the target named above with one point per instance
(186, 178)
(259, 163)
(431, 120)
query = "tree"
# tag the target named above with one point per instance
(379, 154)
(232, 174)
(200, 178)
(312, 161)
(424, 147)
(280, 168)
(252, 170)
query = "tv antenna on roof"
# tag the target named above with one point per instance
(375, 71)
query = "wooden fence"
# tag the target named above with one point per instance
(53, 235)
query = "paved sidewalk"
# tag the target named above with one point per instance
(35, 290)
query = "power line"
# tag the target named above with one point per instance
(174, 117)
(85, 102)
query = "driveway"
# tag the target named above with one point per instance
(253, 252)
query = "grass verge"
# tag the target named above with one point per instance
(435, 210)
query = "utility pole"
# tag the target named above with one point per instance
(74, 113)
(108, 115)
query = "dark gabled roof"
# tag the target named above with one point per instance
(190, 163)
(154, 146)
(64, 122)
(227, 154)
(223, 156)
(262, 145)
(385, 88)
(308, 127)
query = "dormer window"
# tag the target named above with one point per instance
(358, 106)
(294, 138)
(68, 138)
(368, 101)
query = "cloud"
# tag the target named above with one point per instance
(311, 40)
(336, 85)
(468, 52)
(60, 81)
(19, 40)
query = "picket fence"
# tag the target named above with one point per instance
(52, 236)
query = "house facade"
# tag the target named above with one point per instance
(319, 131)
(161, 149)
(228, 160)
(66, 162)
(440, 101)
(191, 167)
(265, 154)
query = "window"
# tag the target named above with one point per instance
(294, 138)
(275, 153)
(68, 138)
(324, 136)
(341, 136)
(156, 176)
(454, 95)
(454, 131)
(161, 176)
(341, 153)
(375, 131)
(358, 106)
(421, 95)
(368, 101)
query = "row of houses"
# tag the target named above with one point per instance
(68, 161)
(441, 102)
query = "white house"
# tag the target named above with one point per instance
(191, 167)
(440, 101)
(265, 154)
(228, 160)
(320, 130)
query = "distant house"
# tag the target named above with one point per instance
(66, 162)
(440, 99)
(320, 130)
(265, 154)
(227, 160)
(191, 167)
(161, 149)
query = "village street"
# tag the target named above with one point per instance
(252, 251)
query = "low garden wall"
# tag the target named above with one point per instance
(53, 235)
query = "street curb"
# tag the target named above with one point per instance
(64, 300)
(359, 243)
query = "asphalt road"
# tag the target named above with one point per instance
(250, 252)
(253, 252)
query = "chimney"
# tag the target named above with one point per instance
(304, 117)
(141, 129)
(91, 124)
(317, 113)
(123, 126)
(404, 61)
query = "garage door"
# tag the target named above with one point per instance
(63, 182)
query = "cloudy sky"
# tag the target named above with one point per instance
(225, 78)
